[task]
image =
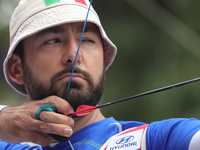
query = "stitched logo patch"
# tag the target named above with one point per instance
(49, 2)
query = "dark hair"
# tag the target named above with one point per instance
(19, 50)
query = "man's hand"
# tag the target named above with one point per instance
(18, 124)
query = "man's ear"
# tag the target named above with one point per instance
(15, 69)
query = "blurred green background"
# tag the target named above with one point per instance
(158, 45)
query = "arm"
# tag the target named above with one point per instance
(18, 124)
(173, 134)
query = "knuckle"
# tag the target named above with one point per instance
(45, 116)
(43, 126)
(53, 100)
(69, 122)
(28, 113)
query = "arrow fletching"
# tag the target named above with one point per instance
(83, 110)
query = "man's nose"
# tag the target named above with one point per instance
(70, 52)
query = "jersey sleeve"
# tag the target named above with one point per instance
(171, 134)
(11, 146)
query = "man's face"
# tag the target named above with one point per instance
(49, 58)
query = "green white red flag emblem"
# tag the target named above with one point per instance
(49, 2)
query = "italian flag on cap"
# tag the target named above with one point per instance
(49, 2)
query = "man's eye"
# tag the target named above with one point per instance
(53, 41)
(88, 40)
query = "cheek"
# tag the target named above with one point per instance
(94, 64)
(44, 65)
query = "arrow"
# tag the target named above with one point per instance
(86, 109)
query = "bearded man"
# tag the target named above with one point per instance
(45, 36)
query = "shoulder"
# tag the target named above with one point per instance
(175, 133)
(130, 124)
(166, 134)
(174, 125)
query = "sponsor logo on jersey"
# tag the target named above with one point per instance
(127, 141)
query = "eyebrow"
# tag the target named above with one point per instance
(54, 30)
(60, 29)
(87, 29)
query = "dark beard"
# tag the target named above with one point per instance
(76, 96)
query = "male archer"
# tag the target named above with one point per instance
(44, 36)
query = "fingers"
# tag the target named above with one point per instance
(51, 117)
(19, 124)
(56, 123)
(42, 128)
(61, 105)
(52, 128)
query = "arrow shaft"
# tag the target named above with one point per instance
(85, 111)
(150, 92)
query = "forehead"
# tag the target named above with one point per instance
(76, 27)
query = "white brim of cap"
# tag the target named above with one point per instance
(53, 16)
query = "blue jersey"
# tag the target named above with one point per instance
(171, 134)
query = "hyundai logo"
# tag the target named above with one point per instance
(125, 140)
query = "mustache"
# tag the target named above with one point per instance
(87, 76)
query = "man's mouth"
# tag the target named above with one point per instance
(75, 76)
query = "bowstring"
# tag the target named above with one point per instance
(70, 144)
(76, 60)
(78, 50)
